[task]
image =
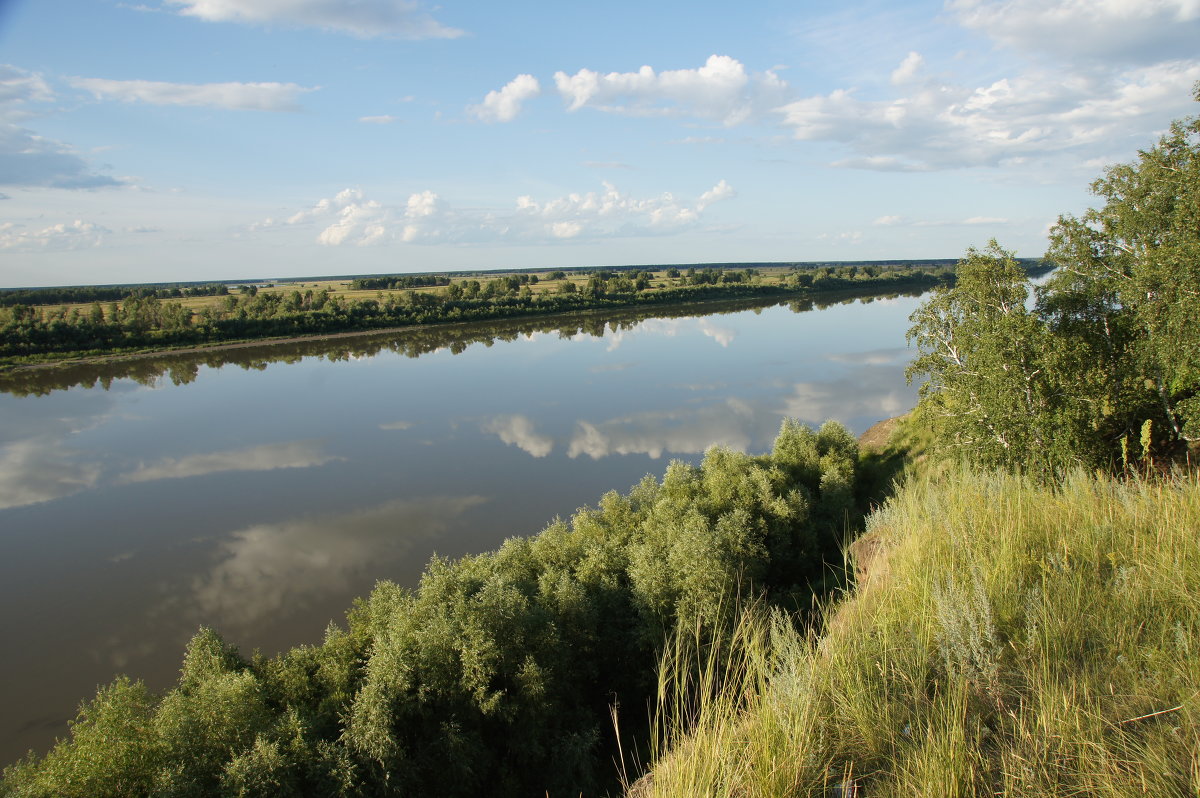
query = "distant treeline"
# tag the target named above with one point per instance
(184, 367)
(497, 675)
(148, 322)
(104, 293)
(396, 282)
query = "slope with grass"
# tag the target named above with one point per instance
(1005, 638)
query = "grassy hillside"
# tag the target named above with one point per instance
(1004, 638)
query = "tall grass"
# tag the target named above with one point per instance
(1004, 638)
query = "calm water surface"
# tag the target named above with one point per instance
(258, 491)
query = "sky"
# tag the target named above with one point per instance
(192, 140)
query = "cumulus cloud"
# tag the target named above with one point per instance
(519, 431)
(349, 218)
(504, 105)
(908, 68)
(399, 19)
(721, 90)
(62, 236)
(610, 211)
(720, 191)
(296, 454)
(27, 159)
(937, 125)
(1130, 31)
(230, 96)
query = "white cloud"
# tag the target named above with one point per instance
(351, 219)
(18, 86)
(1038, 114)
(62, 236)
(386, 119)
(720, 191)
(908, 68)
(268, 457)
(27, 159)
(230, 96)
(400, 19)
(721, 90)
(519, 431)
(612, 212)
(1130, 31)
(505, 104)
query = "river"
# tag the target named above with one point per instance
(259, 490)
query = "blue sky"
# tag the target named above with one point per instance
(168, 140)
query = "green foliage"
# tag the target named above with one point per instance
(1128, 289)
(989, 392)
(1106, 364)
(496, 674)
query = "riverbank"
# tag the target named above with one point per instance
(698, 303)
(31, 335)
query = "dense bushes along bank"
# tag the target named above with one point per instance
(496, 675)
(146, 322)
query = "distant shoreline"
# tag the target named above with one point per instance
(121, 356)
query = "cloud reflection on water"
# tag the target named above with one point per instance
(40, 470)
(874, 357)
(874, 392)
(730, 423)
(267, 457)
(518, 430)
(272, 570)
(671, 328)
